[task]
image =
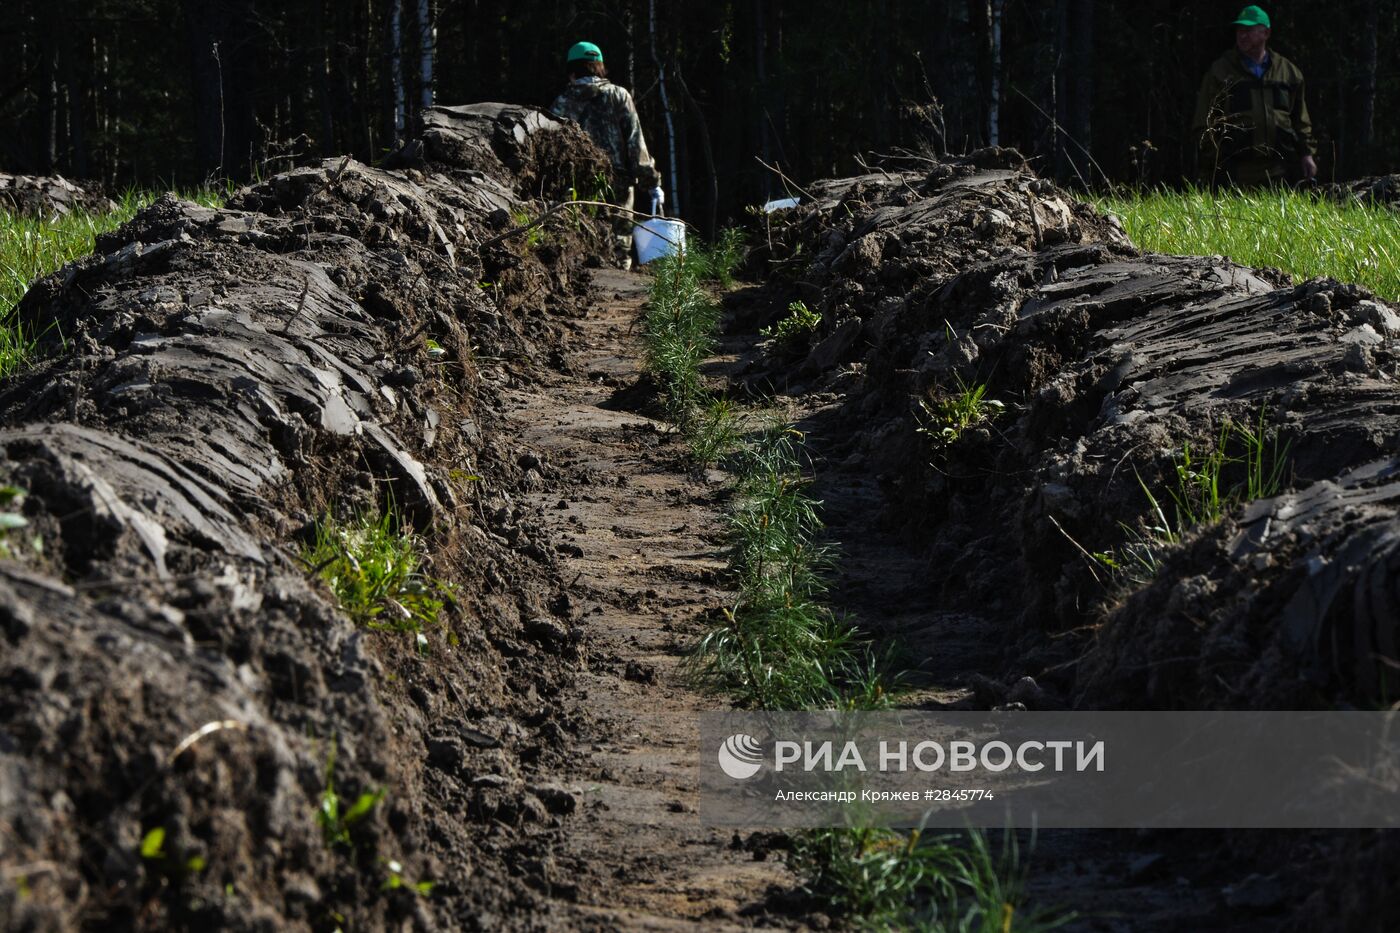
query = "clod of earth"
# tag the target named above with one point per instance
(47, 196)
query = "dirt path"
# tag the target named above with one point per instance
(640, 544)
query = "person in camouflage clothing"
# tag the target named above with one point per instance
(1251, 120)
(608, 115)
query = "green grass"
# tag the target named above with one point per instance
(946, 416)
(373, 569)
(1246, 461)
(779, 647)
(31, 249)
(886, 880)
(1300, 233)
(796, 330)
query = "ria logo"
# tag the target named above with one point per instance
(740, 756)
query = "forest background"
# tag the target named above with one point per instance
(175, 92)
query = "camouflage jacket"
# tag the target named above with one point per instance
(1239, 116)
(607, 114)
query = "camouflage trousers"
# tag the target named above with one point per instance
(622, 225)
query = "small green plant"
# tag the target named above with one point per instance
(336, 820)
(946, 417)
(795, 330)
(536, 236)
(717, 261)
(714, 432)
(397, 882)
(374, 571)
(680, 323)
(11, 500)
(167, 863)
(597, 188)
(1200, 494)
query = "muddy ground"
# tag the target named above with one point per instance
(217, 380)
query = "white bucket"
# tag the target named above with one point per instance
(658, 237)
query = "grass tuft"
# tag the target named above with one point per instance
(373, 569)
(882, 879)
(946, 416)
(1247, 461)
(796, 330)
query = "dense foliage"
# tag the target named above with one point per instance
(138, 91)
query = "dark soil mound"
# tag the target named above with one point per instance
(218, 380)
(46, 196)
(1382, 189)
(1110, 363)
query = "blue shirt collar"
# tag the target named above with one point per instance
(1257, 69)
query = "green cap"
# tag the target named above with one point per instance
(1249, 16)
(588, 52)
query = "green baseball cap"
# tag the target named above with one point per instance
(1249, 16)
(588, 52)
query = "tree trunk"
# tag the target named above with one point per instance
(77, 86)
(427, 43)
(1366, 117)
(994, 98)
(760, 41)
(708, 150)
(47, 154)
(1081, 72)
(394, 129)
(674, 204)
(980, 23)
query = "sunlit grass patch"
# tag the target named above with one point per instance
(1300, 233)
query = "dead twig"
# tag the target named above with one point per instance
(556, 208)
(787, 182)
(301, 305)
(209, 728)
(1088, 558)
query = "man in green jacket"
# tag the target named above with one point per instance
(1251, 119)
